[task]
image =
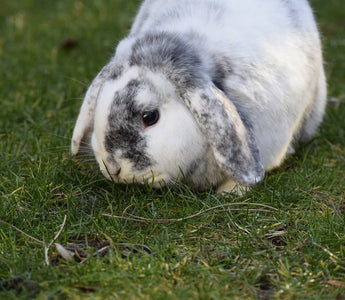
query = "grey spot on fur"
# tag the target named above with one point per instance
(171, 54)
(124, 129)
(222, 70)
(116, 72)
(219, 77)
(203, 171)
(195, 167)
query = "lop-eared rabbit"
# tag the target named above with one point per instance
(208, 92)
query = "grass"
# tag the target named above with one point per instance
(291, 246)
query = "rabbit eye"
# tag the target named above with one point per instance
(150, 117)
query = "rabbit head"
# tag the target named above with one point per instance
(156, 117)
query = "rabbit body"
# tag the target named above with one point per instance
(235, 84)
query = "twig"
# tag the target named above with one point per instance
(59, 232)
(214, 209)
(22, 232)
(46, 248)
(101, 251)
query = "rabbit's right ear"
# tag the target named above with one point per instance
(231, 140)
(84, 125)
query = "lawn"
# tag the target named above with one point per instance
(283, 240)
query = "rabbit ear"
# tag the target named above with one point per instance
(231, 141)
(84, 125)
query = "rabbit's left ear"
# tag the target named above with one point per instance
(84, 125)
(232, 143)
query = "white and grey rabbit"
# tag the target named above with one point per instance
(210, 92)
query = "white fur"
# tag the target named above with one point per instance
(276, 77)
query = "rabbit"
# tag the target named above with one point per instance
(211, 93)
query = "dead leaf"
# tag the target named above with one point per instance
(66, 254)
